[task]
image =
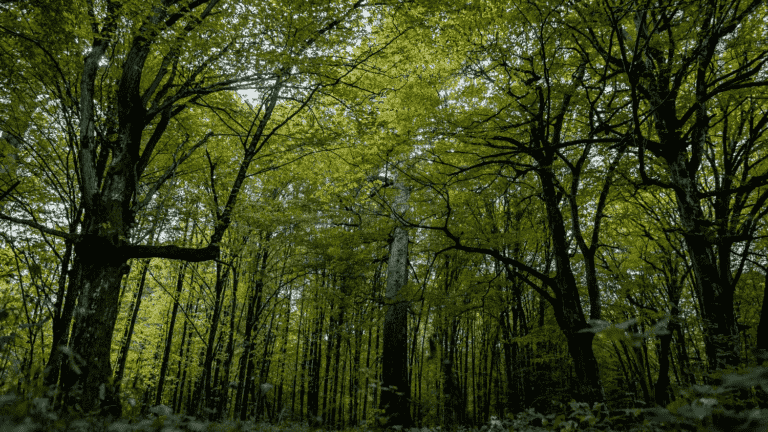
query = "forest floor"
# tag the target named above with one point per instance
(693, 417)
(701, 414)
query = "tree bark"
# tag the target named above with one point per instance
(396, 389)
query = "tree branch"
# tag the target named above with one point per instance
(40, 227)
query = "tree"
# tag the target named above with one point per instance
(536, 126)
(144, 65)
(395, 382)
(696, 132)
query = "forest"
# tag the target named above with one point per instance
(488, 215)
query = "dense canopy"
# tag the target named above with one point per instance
(404, 212)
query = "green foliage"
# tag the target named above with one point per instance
(450, 96)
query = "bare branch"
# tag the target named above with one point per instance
(40, 227)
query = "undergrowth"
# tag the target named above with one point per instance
(737, 405)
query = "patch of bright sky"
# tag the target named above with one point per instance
(254, 97)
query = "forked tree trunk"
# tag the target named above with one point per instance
(713, 282)
(567, 306)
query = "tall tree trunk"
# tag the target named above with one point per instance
(88, 381)
(377, 379)
(329, 351)
(264, 387)
(567, 305)
(279, 405)
(178, 391)
(335, 405)
(662, 391)
(354, 376)
(304, 370)
(762, 329)
(252, 318)
(187, 383)
(713, 279)
(510, 360)
(451, 400)
(396, 389)
(62, 318)
(315, 359)
(296, 371)
(169, 338)
(203, 391)
(224, 384)
(128, 335)
(366, 389)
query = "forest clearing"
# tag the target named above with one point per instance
(411, 215)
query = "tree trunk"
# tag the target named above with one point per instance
(296, 371)
(716, 290)
(222, 411)
(354, 377)
(203, 391)
(263, 387)
(169, 338)
(334, 405)
(366, 390)
(568, 311)
(62, 318)
(329, 351)
(451, 396)
(279, 406)
(128, 335)
(512, 392)
(88, 381)
(304, 369)
(762, 328)
(313, 386)
(662, 391)
(178, 391)
(252, 318)
(396, 389)
(588, 385)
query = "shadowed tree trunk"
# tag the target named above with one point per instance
(181, 365)
(224, 383)
(244, 378)
(315, 359)
(762, 328)
(128, 335)
(396, 389)
(169, 337)
(203, 390)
